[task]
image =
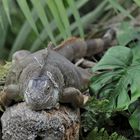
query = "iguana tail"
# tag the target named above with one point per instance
(75, 48)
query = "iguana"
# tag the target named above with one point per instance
(47, 77)
(44, 78)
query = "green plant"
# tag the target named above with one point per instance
(95, 115)
(119, 80)
(102, 134)
(4, 69)
(51, 20)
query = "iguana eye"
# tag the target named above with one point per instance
(47, 89)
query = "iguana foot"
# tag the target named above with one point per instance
(10, 92)
(73, 96)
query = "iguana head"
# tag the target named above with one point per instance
(42, 92)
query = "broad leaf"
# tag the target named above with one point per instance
(120, 83)
(136, 53)
(127, 33)
(100, 80)
(121, 93)
(116, 57)
(137, 2)
(134, 121)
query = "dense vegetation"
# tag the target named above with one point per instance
(115, 90)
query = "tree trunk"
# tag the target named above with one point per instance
(21, 123)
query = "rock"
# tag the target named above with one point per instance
(21, 123)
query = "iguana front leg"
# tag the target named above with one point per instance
(10, 92)
(73, 96)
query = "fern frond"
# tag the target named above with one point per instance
(102, 134)
(97, 112)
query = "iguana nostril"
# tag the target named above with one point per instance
(36, 95)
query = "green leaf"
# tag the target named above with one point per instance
(124, 73)
(3, 30)
(102, 134)
(126, 33)
(41, 12)
(1, 22)
(6, 8)
(123, 99)
(137, 2)
(118, 7)
(127, 90)
(20, 38)
(136, 52)
(4, 70)
(100, 80)
(43, 34)
(54, 10)
(96, 113)
(63, 16)
(90, 17)
(77, 16)
(24, 32)
(116, 57)
(25, 9)
(134, 121)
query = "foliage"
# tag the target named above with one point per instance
(96, 113)
(119, 80)
(50, 20)
(4, 69)
(124, 71)
(134, 121)
(127, 34)
(102, 134)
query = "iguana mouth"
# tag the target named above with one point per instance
(38, 96)
(46, 102)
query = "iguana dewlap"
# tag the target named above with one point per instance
(44, 78)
